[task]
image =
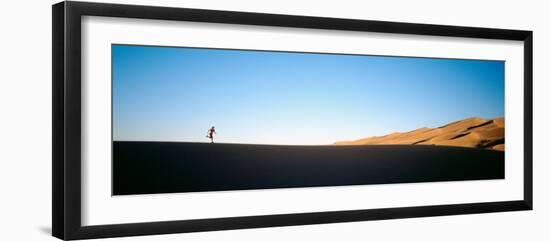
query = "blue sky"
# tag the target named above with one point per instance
(265, 97)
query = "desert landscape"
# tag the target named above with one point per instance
(472, 132)
(191, 119)
(469, 149)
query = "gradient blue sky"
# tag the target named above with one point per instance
(262, 97)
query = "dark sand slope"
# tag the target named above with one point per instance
(472, 132)
(167, 167)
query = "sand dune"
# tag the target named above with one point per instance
(472, 132)
(168, 167)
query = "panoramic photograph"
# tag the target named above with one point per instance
(188, 119)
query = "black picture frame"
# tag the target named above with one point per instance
(66, 75)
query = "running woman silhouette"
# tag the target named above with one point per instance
(210, 134)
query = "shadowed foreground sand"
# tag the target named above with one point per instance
(472, 132)
(167, 167)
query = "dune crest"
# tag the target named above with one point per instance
(471, 132)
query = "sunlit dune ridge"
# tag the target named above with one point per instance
(471, 132)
